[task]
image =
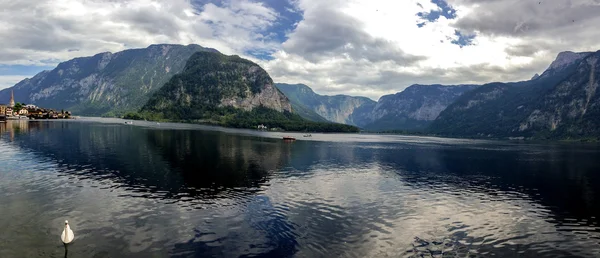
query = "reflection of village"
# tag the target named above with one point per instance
(16, 111)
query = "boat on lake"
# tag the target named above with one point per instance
(308, 135)
(288, 138)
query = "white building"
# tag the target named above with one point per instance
(31, 106)
(9, 111)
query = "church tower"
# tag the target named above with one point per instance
(12, 99)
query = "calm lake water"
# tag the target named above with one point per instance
(175, 190)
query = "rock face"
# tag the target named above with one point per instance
(106, 83)
(339, 108)
(567, 58)
(561, 104)
(212, 81)
(414, 108)
(297, 94)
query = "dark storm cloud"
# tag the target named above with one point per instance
(327, 33)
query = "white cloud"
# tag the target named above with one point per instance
(32, 31)
(493, 57)
(357, 47)
(10, 80)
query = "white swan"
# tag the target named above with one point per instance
(67, 234)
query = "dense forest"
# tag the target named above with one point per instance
(237, 118)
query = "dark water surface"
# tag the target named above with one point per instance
(172, 190)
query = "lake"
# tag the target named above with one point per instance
(177, 190)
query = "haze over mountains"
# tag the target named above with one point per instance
(559, 103)
(414, 108)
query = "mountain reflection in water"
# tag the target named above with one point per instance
(148, 191)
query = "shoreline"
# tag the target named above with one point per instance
(408, 134)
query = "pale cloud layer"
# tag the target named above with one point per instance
(514, 39)
(39, 32)
(356, 47)
(10, 80)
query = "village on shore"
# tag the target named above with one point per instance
(16, 111)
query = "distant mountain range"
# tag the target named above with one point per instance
(412, 109)
(339, 108)
(196, 83)
(415, 108)
(562, 103)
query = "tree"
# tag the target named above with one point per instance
(18, 106)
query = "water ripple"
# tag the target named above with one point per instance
(187, 192)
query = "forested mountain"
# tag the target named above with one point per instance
(559, 104)
(227, 90)
(106, 83)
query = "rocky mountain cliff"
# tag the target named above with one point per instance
(211, 81)
(106, 83)
(560, 104)
(339, 108)
(230, 91)
(414, 108)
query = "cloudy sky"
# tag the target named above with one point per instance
(356, 47)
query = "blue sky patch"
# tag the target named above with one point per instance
(445, 10)
(25, 70)
(288, 18)
(462, 39)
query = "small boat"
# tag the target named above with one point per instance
(288, 138)
(308, 135)
(128, 122)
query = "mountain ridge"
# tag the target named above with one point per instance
(560, 104)
(105, 83)
(415, 107)
(336, 108)
(229, 91)
(420, 104)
